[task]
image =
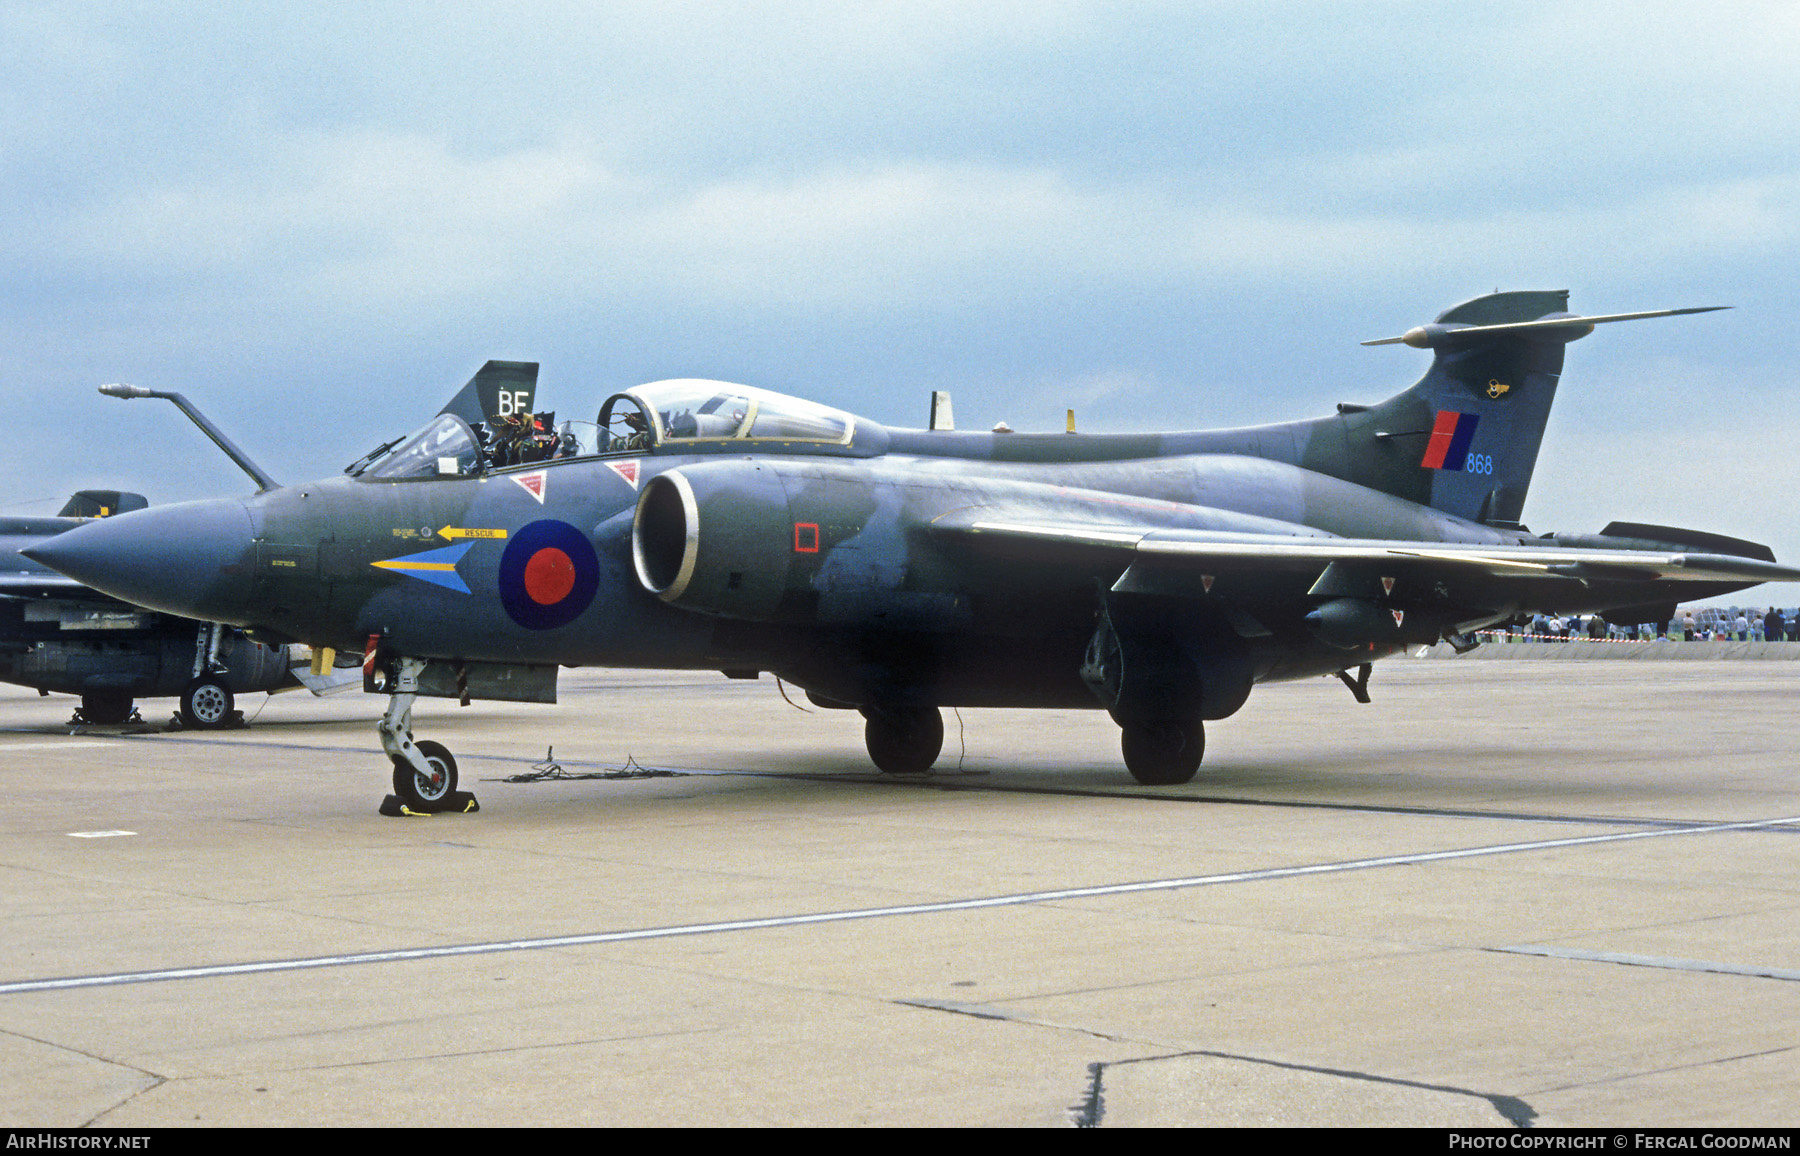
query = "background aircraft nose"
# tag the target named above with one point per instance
(194, 559)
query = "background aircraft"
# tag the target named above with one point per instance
(700, 524)
(61, 637)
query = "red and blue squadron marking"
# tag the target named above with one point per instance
(1450, 437)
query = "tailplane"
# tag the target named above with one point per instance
(1465, 439)
(101, 504)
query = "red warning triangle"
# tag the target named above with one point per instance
(534, 483)
(627, 469)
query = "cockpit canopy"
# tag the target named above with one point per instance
(696, 410)
(681, 415)
(443, 447)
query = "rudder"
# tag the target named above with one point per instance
(498, 389)
(1482, 407)
(1465, 439)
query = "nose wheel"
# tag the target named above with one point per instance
(430, 789)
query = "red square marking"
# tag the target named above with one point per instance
(806, 537)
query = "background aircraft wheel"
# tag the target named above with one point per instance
(904, 740)
(1165, 753)
(416, 790)
(207, 703)
(107, 708)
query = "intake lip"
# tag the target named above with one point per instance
(665, 536)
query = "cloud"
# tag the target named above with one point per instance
(380, 221)
(1164, 214)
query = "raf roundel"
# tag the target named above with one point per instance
(548, 575)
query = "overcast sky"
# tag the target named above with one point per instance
(318, 220)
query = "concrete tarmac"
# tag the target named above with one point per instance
(1503, 893)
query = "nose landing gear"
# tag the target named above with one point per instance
(424, 772)
(426, 790)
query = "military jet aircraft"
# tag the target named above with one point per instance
(705, 525)
(60, 636)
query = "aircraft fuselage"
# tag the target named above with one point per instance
(832, 573)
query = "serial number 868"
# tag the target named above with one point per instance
(1479, 464)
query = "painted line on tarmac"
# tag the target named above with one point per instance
(1665, 962)
(951, 781)
(53, 746)
(1018, 899)
(945, 782)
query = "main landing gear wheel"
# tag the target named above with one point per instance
(426, 792)
(903, 740)
(1163, 754)
(207, 703)
(106, 708)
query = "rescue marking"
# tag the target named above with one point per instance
(437, 567)
(1017, 899)
(454, 532)
(534, 483)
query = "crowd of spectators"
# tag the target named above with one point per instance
(1695, 624)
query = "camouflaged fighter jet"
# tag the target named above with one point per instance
(705, 525)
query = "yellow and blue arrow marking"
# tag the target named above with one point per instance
(437, 567)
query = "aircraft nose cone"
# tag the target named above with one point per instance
(193, 559)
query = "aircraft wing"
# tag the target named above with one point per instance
(1203, 550)
(46, 584)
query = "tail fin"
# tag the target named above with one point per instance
(101, 504)
(498, 389)
(1465, 439)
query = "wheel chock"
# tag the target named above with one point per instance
(455, 803)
